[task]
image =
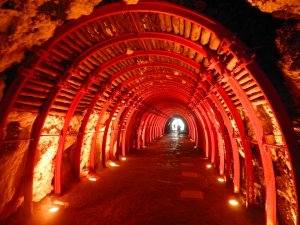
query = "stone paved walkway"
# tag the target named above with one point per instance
(165, 184)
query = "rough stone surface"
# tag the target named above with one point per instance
(12, 161)
(99, 138)
(247, 124)
(44, 168)
(45, 159)
(288, 43)
(12, 167)
(73, 130)
(2, 87)
(259, 184)
(276, 132)
(86, 145)
(25, 24)
(68, 175)
(131, 2)
(287, 9)
(79, 8)
(286, 196)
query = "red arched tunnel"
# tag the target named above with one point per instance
(109, 82)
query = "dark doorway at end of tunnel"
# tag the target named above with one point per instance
(176, 124)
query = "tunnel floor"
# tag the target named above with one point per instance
(165, 184)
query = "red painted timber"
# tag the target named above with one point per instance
(265, 156)
(240, 126)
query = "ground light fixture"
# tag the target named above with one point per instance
(93, 179)
(208, 166)
(113, 164)
(123, 158)
(233, 202)
(54, 209)
(221, 179)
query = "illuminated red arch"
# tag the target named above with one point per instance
(209, 102)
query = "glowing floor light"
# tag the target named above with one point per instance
(92, 179)
(233, 202)
(53, 209)
(221, 179)
(113, 164)
(123, 158)
(236, 189)
(208, 166)
(57, 202)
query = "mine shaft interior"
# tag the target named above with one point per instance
(149, 112)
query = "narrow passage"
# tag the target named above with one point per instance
(165, 184)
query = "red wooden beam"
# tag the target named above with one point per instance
(265, 156)
(240, 126)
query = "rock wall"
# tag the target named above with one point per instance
(286, 197)
(87, 140)
(25, 24)
(13, 156)
(259, 184)
(286, 9)
(288, 44)
(45, 158)
(99, 138)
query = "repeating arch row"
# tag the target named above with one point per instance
(123, 84)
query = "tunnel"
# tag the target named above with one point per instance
(109, 84)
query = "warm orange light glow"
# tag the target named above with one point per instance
(221, 179)
(208, 166)
(57, 202)
(53, 209)
(233, 202)
(92, 179)
(236, 189)
(112, 164)
(129, 51)
(123, 158)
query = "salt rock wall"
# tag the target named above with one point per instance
(13, 161)
(87, 141)
(113, 137)
(289, 9)
(73, 130)
(99, 138)
(259, 184)
(286, 196)
(45, 163)
(288, 44)
(45, 159)
(25, 24)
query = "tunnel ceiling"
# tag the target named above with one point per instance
(153, 52)
(147, 62)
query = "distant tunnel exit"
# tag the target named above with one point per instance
(176, 124)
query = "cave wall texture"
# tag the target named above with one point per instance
(271, 30)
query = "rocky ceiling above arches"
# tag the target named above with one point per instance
(29, 24)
